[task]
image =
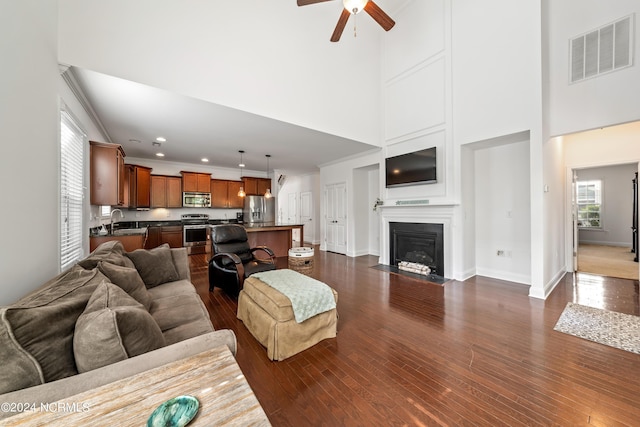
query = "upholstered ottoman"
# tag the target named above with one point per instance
(269, 315)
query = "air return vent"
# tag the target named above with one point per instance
(600, 51)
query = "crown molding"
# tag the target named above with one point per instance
(68, 75)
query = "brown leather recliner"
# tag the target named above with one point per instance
(233, 260)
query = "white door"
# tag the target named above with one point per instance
(574, 212)
(336, 218)
(292, 208)
(306, 215)
(292, 214)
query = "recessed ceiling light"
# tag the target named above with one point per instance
(204, 159)
(160, 154)
(161, 139)
(137, 141)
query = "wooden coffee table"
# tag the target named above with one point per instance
(213, 377)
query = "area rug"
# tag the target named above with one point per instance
(602, 326)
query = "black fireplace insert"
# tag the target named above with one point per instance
(417, 242)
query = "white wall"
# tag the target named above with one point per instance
(269, 58)
(30, 123)
(502, 212)
(496, 67)
(300, 184)
(373, 216)
(617, 204)
(602, 101)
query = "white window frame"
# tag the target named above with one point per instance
(597, 199)
(73, 140)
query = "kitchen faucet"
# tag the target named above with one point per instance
(112, 212)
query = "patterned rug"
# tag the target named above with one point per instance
(602, 326)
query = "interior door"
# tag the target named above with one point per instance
(292, 214)
(306, 214)
(336, 218)
(574, 213)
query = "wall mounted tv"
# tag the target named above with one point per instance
(418, 167)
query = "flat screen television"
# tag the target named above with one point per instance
(418, 167)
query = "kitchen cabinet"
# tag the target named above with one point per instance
(256, 186)
(224, 194)
(196, 182)
(139, 178)
(166, 191)
(263, 185)
(171, 234)
(107, 174)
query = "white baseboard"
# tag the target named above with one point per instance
(548, 287)
(461, 276)
(504, 275)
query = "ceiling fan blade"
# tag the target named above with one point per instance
(379, 16)
(342, 22)
(306, 2)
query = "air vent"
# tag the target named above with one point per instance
(602, 50)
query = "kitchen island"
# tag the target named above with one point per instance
(278, 237)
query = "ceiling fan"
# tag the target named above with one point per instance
(352, 7)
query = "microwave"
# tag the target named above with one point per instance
(196, 200)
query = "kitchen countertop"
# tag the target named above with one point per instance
(255, 225)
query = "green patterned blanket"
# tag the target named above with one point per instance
(308, 296)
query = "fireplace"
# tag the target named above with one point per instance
(417, 243)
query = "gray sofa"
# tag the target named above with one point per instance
(112, 315)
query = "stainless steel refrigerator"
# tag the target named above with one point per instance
(259, 210)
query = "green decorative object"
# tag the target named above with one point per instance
(176, 412)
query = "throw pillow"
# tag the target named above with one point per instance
(111, 251)
(155, 266)
(129, 280)
(113, 327)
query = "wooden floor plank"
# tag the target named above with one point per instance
(479, 352)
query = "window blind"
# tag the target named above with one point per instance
(72, 140)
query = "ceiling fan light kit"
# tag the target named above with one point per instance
(352, 7)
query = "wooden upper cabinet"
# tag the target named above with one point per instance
(219, 193)
(107, 174)
(139, 186)
(250, 185)
(166, 191)
(174, 192)
(196, 182)
(263, 185)
(232, 190)
(224, 194)
(256, 186)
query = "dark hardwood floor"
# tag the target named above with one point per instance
(479, 352)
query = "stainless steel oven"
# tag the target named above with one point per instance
(196, 235)
(196, 200)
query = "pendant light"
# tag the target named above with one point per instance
(267, 194)
(241, 193)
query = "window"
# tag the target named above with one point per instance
(105, 211)
(72, 140)
(589, 204)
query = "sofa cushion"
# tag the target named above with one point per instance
(155, 266)
(36, 333)
(181, 315)
(111, 251)
(129, 280)
(113, 327)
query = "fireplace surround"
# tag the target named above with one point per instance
(417, 242)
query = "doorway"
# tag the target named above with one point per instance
(605, 220)
(336, 217)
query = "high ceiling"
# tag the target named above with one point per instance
(134, 115)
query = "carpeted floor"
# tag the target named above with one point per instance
(602, 326)
(611, 261)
